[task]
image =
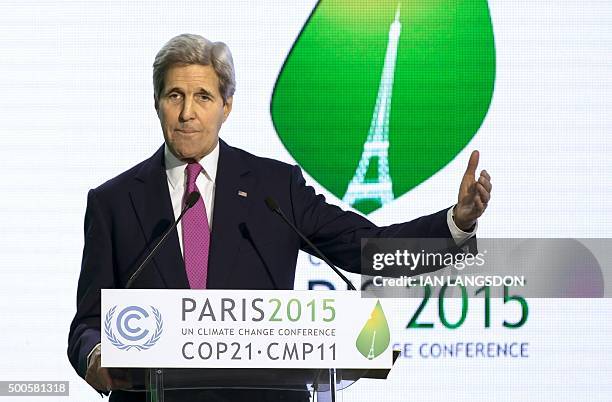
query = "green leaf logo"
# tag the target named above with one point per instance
(374, 338)
(376, 97)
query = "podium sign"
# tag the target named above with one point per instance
(175, 328)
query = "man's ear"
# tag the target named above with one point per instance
(227, 107)
(156, 104)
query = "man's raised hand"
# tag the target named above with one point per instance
(474, 196)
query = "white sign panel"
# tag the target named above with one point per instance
(243, 329)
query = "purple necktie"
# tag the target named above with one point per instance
(196, 234)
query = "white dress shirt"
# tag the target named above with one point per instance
(177, 182)
(458, 235)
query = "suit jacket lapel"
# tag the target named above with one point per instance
(230, 210)
(153, 206)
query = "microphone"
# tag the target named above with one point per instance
(271, 203)
(190, 201)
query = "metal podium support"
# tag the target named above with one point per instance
(332, 384)
(156, 385)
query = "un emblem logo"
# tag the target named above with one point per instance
(136, 328)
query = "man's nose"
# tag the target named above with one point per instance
(187, 113)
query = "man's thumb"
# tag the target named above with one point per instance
(473, 163)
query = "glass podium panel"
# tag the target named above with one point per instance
(320, 385)
(170, 385)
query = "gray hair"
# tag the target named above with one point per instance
(195, 49)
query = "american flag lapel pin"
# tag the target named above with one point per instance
(242, 193)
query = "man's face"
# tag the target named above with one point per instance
(191, 110)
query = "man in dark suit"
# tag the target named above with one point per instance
(229, 239)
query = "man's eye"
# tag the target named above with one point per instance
(174, 96)
(203, 97)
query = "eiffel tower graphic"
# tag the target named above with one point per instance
(375, 149)
(371, 353)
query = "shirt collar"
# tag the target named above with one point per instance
(175, 168)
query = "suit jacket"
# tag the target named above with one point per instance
(250, 247)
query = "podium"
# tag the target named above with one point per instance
(319, 349)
